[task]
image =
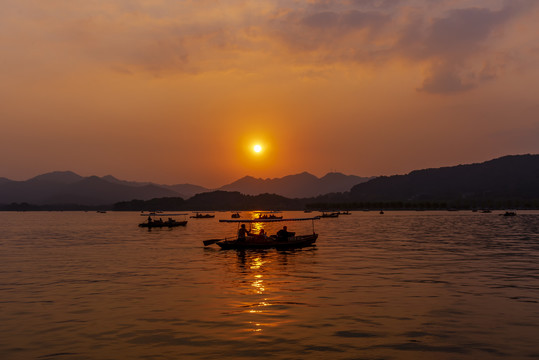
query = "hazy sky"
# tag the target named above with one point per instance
(178, 91)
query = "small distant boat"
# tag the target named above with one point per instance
(159, 223)
(381, 212)
(235, 215)
(486, 211)
(202, 216)
(329, 215)
(101, 211)
(268, 215)
(510, 213)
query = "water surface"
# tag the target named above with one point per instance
(403, 285)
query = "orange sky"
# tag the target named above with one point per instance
(179, 91)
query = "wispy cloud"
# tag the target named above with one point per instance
(454, 41)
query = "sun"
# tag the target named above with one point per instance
(257, 148)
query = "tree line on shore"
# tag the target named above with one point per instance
(223, 200)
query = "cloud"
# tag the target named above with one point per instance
(458, 46)
(444, 79)
(455, 44)
(459, 40)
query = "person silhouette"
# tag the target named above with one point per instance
(282, 234)
(242, 233)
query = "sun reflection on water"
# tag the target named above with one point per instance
(257, 312)
(256, 264)
(259, 281)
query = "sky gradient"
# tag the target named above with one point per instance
(180, 91)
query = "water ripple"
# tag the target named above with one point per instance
(404, 285)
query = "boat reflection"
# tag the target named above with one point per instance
(262, 287)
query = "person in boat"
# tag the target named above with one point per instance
(242, 233)
(262, 235)
(282, 235)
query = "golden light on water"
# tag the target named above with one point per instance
(257, 263)
(266, 309)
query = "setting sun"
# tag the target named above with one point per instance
(257, 148)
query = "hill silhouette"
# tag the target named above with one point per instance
(70, 188)
(183, 190)
(66, 187)
(301, 185)
(215, 200)
(509, 181)
(60, 177)
(508, 177)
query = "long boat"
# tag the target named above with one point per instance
(268, 215)
(152, 222)
(202, 216)
(266, 242)
(329, 215)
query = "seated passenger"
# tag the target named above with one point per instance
(282, 235)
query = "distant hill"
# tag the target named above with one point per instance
(183, 190)
(508, 177)
(500, 183)
(301, 185)
(66, 187)
(114, 180)
(186, 190)
(96, 191)
(215, 200)
(70, 188)
(59, 177)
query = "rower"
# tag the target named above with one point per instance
(242, 233)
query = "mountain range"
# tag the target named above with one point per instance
(508, 177)
(503, 182)
(67, 187)
(302, 185)
(506, 182)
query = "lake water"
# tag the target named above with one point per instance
(403, 285)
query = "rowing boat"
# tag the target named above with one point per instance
(153, 222)
(256, 242)
(283, 239)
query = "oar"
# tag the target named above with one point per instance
(211, 241)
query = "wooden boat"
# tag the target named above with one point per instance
(329, 215)
(159, 223)
(256, 242)
(268, 215)
(287, 241)
(510, 213)
(235, 215)
(202, 216)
